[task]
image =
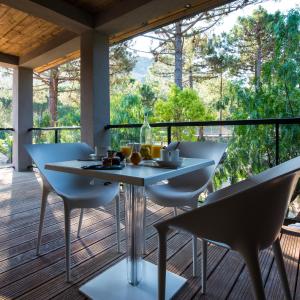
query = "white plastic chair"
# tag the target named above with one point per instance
(245, 217)
(184, 190)
(76, 191)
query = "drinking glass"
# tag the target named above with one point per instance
(126, 148)
(155, 149)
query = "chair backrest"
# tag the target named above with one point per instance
(207, 150)
(42, 154)
(288, 167)
(247, 214)
(260, 211)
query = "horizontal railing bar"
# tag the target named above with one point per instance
(6, 129)
(54, 128)
(272, 121)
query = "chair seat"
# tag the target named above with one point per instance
(172, 196)
(89, 195)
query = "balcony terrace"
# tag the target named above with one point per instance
(37, 35)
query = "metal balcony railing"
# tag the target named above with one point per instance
(169, 125)
(56, 130)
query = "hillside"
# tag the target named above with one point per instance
(140, 70)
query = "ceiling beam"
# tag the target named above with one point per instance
(57, 12)
(188, 10)
(116, 11)
(59, 61)
(60, 46)
(7, 60)
(139, 14)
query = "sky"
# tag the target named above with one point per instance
(143, 44)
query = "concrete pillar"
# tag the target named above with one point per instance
(95, 106)
(22, 116)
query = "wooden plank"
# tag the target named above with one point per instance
(192, 287)
(10, 19)
(27, 35)
(55, 11)
(243, 287)
(223, 278)
(291, 248)
(20, 33)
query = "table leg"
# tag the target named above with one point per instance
(112, 284)
(134, 216)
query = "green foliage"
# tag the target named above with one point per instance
(251, 42)
(148, 97)
(252, 148)
(181, 105)
(125, 109)
(6, 144)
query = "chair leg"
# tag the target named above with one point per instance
(281, 269)
(204, 266)
(118, 222)
(162, 265)
(80, 222)
(45, 194)
(252, 262)
(175, 211)
(195, 257)
(68, 242)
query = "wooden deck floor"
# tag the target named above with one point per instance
(23, 275)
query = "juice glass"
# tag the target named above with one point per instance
(155, 150)
(126, 149)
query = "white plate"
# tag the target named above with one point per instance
(169, 164)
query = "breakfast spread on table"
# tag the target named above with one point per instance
(145, 153)
(137, 154)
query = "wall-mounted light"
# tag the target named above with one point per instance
(188, 5)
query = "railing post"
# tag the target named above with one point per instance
(277, 143)
(169, 128)
(55, 136)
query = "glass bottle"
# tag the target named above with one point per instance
(146, 132)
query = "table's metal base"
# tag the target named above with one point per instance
(113, 284)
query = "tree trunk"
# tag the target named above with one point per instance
(258, 64)
(53, 95)
(178, 56)
(191, 83)
(221, 108)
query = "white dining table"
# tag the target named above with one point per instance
(133, 277)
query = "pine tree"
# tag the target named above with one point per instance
(172, 39)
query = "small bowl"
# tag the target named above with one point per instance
(93, 156)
